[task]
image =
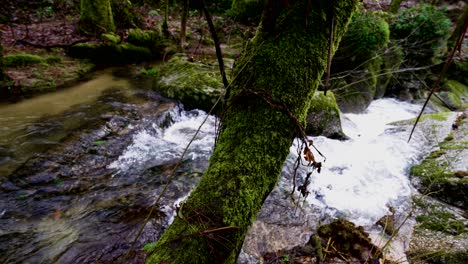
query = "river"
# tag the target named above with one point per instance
(102, 152)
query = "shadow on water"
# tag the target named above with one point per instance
(60, 201)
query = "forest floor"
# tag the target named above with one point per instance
(50, 37)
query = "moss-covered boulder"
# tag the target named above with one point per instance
(440, 234)
(195, 84)
(459, 71)
(323, 118)
(110, 38)
(443, 174)
(111, 53)
(338, 242)
(392, 58)
(151, 39)
(455, 95)
(21, 59)
(358, 63)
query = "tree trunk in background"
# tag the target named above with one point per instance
(460, 28)
(285, 60)
(394, 6)
(183, 22)
(96, 17)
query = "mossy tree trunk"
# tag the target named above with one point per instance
(285, 60)
(460, 28)
(96, 17)
(394, 6)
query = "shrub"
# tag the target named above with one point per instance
(423, 31)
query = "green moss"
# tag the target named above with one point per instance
(440, 182)
(197, 85)
(443, 221)
(324, 117)
(441, 257)
(442, 116)
(53, 59)
(357, 56)
(152, 39)
(21, 59)
(348, 240)
(110, 38)
(286, 62)
(96, 17)
(111, 54)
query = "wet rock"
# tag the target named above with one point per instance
(9, 186)
(41, 178)
(338, 242)
(323, 118)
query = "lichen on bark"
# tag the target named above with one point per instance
(285, 60)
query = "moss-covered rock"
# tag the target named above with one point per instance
(439, 174)
(440, 234)
(323, 118)
(455, 94)
(111, 38)
(459, 71)
(21, 59)
(358, 63)
(111, 53)
(151, 39)
(338, 242)
(358, 90)
(197, 85)
(349, 242)
(392, 58)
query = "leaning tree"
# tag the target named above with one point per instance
(273, 82)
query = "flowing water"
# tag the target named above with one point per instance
(82, 198)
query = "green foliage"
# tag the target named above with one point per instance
(21, 59)
(367, 33)
(423, 31)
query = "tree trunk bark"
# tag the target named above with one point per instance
(394, 6)
(281, 66)
(183, 23)
(96, 17)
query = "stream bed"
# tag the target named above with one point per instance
(77, 181)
